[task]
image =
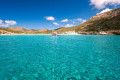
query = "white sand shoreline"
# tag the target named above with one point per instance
(38, 34)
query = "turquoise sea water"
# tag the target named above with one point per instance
(67, 57)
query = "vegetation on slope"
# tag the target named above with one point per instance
(102, 22)
(6, 29)
(19, 30)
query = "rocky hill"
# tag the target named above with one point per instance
(104, 23)
(108, 22)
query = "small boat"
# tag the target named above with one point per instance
(54, 33)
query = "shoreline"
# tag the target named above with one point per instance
(38, 34)
(44, 34)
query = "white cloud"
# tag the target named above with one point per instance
(1, 21)
(81, 20)
(50, 18)
(55, 23)
(69, 25)
(100, 4)
(10, 22)
(4, 25)
(105, 10)
(84, 21)
(65, 20)
(7, 23)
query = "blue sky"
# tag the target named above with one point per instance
(51, 14)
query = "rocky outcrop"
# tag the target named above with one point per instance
(108, 21)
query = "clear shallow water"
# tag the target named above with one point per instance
(76, 57)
